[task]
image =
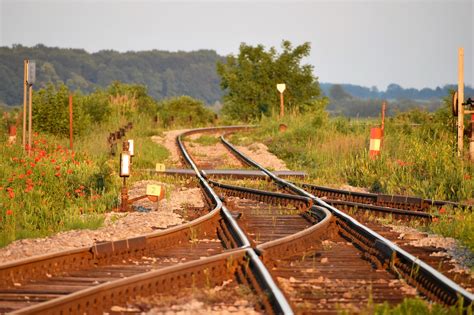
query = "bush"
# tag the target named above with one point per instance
(184, 111)
(51, 112)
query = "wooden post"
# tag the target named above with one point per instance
(471, 142)
(282, 106)
(70, 122)
(30, 118)
(384, 104)
(25, 93)
(460, 101)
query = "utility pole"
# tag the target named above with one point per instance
(70, 122)
(25, 95)
(460, 101)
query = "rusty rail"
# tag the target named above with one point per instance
(384, 200)
(426, 279)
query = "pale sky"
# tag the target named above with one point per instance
(412, 43)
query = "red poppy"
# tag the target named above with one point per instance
(9, 212)
(33, 164)
(57, 167)
(58, 174)
(53, 161)
(29, 172)
(69, 171)
(11, 194)
(442, 210)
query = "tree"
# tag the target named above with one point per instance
(249, 81)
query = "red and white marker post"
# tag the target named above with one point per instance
(375, 142)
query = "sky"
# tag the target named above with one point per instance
(370, 43)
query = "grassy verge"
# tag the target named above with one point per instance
(416, 160)
(56, 189)
(414, 306)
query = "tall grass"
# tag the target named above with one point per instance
(418, 158)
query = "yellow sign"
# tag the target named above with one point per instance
(153, 190)
(160, 167)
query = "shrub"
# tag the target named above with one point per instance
(51, 112)
(184, 111)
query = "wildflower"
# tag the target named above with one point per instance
(69, 171)
(57, 167)
(21, 176)
(9, 212)
(29, 188)
(11, 194)
(77, 191)
(1, 188)
(442, 210)
(467, 177)
(32, 164)
(58, 174)
(435, 220)
(53, 161)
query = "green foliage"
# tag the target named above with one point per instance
(136, 95)
(52, 190)
(456, 223)
(166, 74)
(51, 112)
(416, 161)
(416, 306)
(249, 81)
(96, 105)
(184, 111)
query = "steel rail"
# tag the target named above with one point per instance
(302, 240)
(280, 303)
(372, 198)
(108, 250)
(99, 298)
(417, 272)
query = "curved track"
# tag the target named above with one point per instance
(380, 251)
(293, 251)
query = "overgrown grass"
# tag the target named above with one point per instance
(56, 189)
(51, 190)
(414, 306)
(206, 140)
(417, 159)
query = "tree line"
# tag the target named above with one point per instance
(165, 74)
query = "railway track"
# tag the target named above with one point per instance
(339, 197)
(94, 279)
(290, 250)
(382, 253)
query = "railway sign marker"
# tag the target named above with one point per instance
(155, 192)
(281, 87)
(160, 167)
